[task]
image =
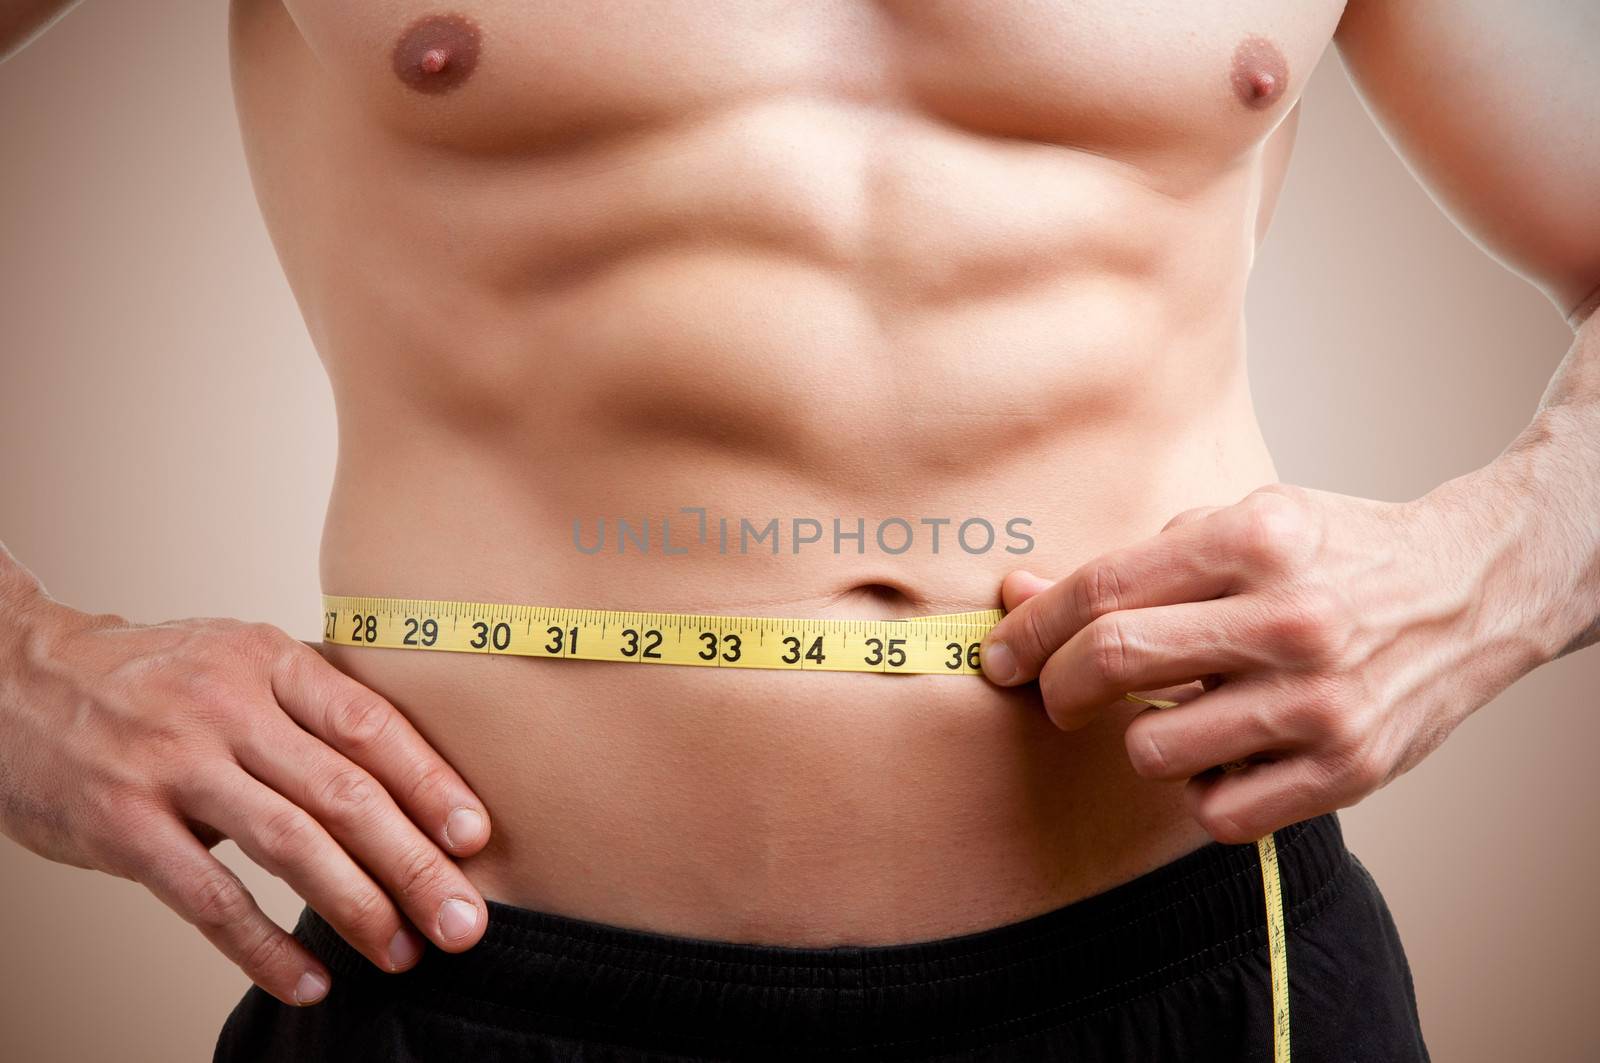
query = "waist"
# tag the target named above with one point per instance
(817, 808)
(813, 809)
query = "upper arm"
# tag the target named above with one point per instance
(23, 20)
(1496, 108)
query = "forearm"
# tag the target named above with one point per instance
(1536, 510)
(1574, 395)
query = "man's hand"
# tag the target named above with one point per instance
(133, 749)
(1338, 641)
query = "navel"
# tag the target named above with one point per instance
(1260, 72)
(437, 53)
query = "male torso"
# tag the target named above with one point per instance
(567, 262)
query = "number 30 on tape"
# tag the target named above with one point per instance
(946, 644)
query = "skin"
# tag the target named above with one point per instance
(1260, 73)
(877, 259)
(437, 53)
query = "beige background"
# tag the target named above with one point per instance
(168, 438)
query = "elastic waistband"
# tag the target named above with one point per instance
(585, 979)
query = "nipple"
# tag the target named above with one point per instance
(437, 53)
(1260, 72)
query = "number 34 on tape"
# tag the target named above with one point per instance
(946, 644)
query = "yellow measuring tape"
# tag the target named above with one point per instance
(946, 644)
(929, 645)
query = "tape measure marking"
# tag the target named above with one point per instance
(930, 645)
(1277, 939)
(1277, 946)
(945, 644)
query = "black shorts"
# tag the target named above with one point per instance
(1169, 966)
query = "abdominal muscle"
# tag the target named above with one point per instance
(857, 341)
(883, 262)
(803, 809)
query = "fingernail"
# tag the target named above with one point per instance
(457, 918)
(311, 988)
(404, 948)
(462, 827)
(998, 662)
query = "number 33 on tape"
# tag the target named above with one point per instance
(930, 645)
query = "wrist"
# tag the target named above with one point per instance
(1531, 522)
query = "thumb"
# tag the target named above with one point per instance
(1189, 516)
(1021, 585)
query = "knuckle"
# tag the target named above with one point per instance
(419, 873)
(237, 651)
(430, 782)
(1306, 628)
(1331, 726)
(1110, 655)
(1336, 723)
(1353, 761)
(266, 953)
(112, 838)
(1272, 529)
(1030, 639)
(182, 761)
(1368, 772)
(359, 721)
(186, 783)
(365, 913)
(288, 836)
(346, 793)
(1099, 591)
(260, 640)
(188, 774)
(1027, 630)
(296, 661)
(1267, 721)
(216, 900)
(1361, 769)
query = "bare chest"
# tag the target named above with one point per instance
(1161, 77)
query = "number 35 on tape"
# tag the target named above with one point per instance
(946, 644)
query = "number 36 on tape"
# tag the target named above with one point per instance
(946, 644)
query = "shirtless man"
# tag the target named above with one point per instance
(916, 258)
